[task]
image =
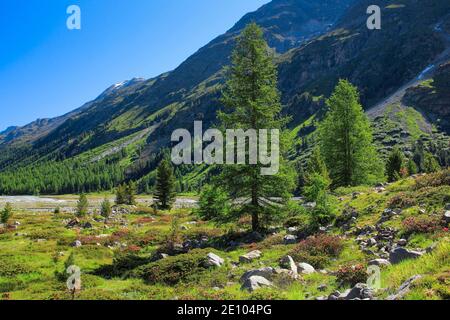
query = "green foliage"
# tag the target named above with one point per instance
(121, 194)
(126, 193)
(346, 140)
(7, 213)
(165, 194)
(252, 101)
(430, 164)
(106, 208)
(82, 205)
(172, 270)
(411, 167)
(318, 250)
(351, 275)
(394, 165)
(213, 204)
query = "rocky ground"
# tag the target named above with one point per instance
(397, 229)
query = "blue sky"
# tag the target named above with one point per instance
(47, 70)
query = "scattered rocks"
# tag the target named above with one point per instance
(305, 268)
(379, 263)
(213, 260)
(404, 288)
(290, 239)
(288, 263)
(266, 272)
(358, 292)
(400, 254)
(249, 257)
(256, 282)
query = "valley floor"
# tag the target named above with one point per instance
(123, 257)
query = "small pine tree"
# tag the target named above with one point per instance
(106, 208)
(82, 205)
(7, 213)
(316, 165)
(213, 204)
(130, 193)
(165, 186)
(419, 155)
(430, 164)
(121, 194)
(394, 165)
(411, 167)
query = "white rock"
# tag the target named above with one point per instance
(256, 282)
(249, 257)
(305, 268)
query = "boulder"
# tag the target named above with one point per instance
(87, 225)
(76, 244)
(288, 263)
(402, 242)
(404, 288)
(379, 263)
(249, 257)
(400, 254)
(305, 268)
(255, 282)
(292, 230)
(213, 260)
(266, 272)
(447, 217)
(358, 292)
(73, 223)
(290, 239)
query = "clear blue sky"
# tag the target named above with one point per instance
(47, 70)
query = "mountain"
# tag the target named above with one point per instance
(315, 43)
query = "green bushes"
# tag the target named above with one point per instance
(420, 225)
(401, 201)
(318, 250)
(9, 268)
(172, 270)
(213, 203)
(437, 179)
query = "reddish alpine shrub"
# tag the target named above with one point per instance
(401, 201)
(351, 274)
(318, 250)
(421, 225)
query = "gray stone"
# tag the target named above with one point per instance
(256, 282)
(249, 257)
(213, 260)
(447, 217)
(379, 263)
(266, 272)
(288, 263)
(404, 288)
(402, 242)
(292, 230)
(76, 244)
(400, 254)
(322, 287)
(305, 268)
(358, 292)
(290, 239)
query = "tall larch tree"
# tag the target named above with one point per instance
(165, 186)
(252, 101)
(346, 140)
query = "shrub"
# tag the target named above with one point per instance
(420, 225)
(437, 179)
(172, 270)
(106, 209)
(317, 250)
(213, 203)
(6, 213)
(401, 201)
(10, 268)
(82, 206)
(351, 274)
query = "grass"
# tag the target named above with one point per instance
(32, 255)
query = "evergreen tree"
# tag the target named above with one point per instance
(6, 213)
(130, 193)
(82, 205)
(419, 155)
(106, 208)
(411, 167)
(316, 165)
(346, 140)
(165, 186)
(213, 204)
(394, 165)
(430, 164)
(252, 101)
(121, 197)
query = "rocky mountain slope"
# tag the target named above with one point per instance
(316, 43)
